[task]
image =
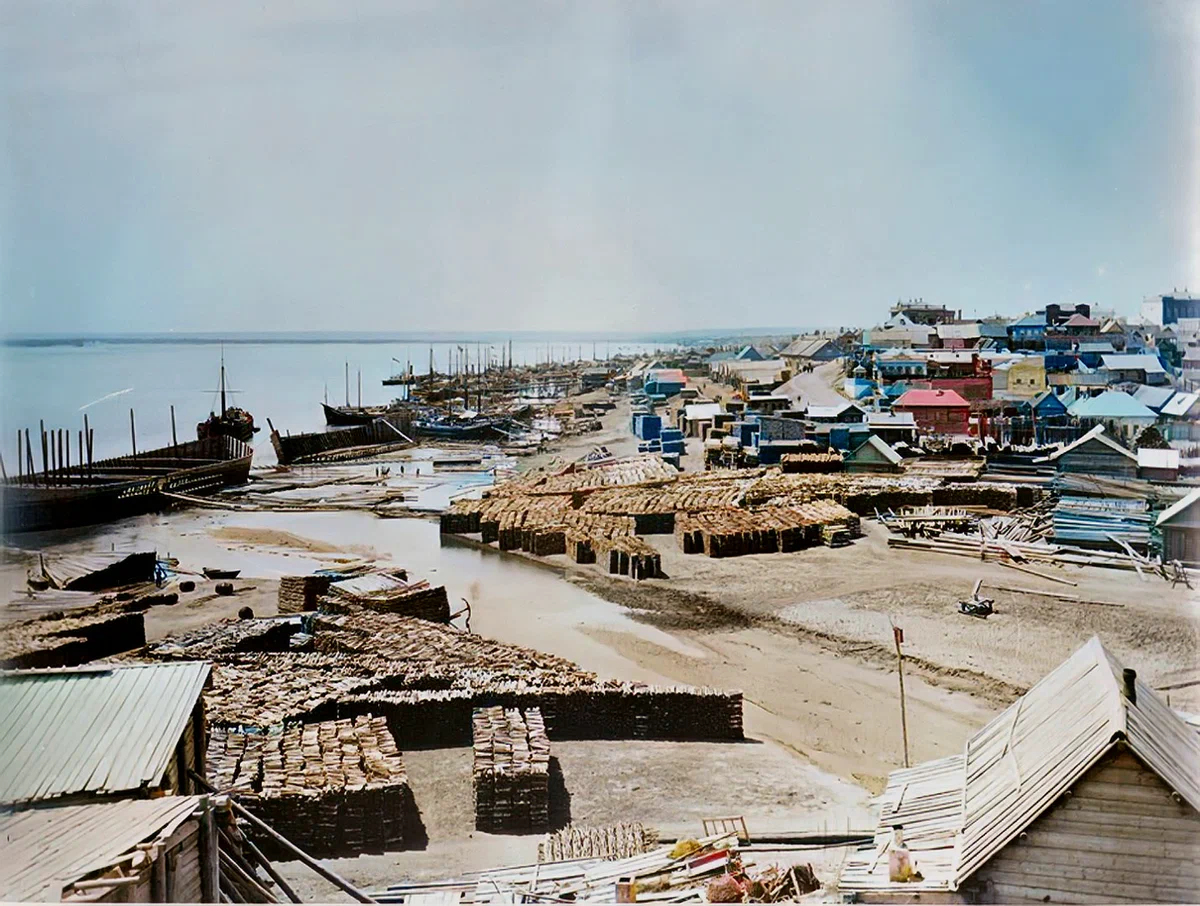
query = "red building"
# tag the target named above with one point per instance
(936, 411)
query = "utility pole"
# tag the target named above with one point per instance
(898, 637)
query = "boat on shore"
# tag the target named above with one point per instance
(230, 422)
(345, 416)
(110, 489)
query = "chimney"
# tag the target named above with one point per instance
(1130, 677)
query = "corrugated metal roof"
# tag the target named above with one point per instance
(1180, 404)
(103, 730)
(1143, 362)
(47, 849)
(1110, 404)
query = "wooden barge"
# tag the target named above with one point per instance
(108, 489)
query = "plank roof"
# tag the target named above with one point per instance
(1019, 766)
(49, 849)
(94, 730)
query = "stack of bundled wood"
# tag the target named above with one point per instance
(993, 496)
(861, 493)
(299, 594)
(628, 555)
(635, 470)
(792, 463)
(227, 637)
(76, 639)
(925, 521)
(945, 468)
(389, 591)
(613, 841)
(511, 776)
(1034, 523)
(265, 690)
(733, 532)
(336, 788)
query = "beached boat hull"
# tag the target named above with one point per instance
(345, 417)
(122, 486)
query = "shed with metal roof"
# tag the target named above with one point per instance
(87, 733)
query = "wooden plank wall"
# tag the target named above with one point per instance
(1119, 838)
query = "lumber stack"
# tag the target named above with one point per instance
(734, 532)
(336, 788)
(628, 555)
(70, 641)
(389, 591)
(1102, 522)
(794, 463)
(609, 842)
(511, 774)
(299, 594)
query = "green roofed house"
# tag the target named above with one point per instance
(872, 455)
(1085, 790)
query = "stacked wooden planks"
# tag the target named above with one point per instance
(334, 788)
(511, 774)
(733, 532)
(299, 594)
(613, 841)
(793, 463)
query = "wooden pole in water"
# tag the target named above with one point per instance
(45, 452)
(360, 388)
(898, 637)
(174, 440)
(81, 453)
(20, 459)
(59, 465)
(3, 471)
(67, 452)
(91, 448)
(132, 434)
(347, 385)
(29, 458)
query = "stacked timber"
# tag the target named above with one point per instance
(734, 532)
(793, 463)
(511, 773)
(628, 555)
(389, 591)
(1021, 555)
(299, 594)
(72, 640)
(336, 788)
(613, 841)
(636, 470)
(1102, 522)
(993, 496)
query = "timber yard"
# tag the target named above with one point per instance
(902, 614)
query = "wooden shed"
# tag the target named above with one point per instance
(1095, 454)
(1085, 790)
(132, 851)
(872, 455)
(1180, 528)
(101, 732)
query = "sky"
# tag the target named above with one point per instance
(589, 165)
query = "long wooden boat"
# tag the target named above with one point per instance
(122, 486)
(345, 416)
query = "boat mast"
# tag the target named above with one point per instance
(347, 385)
(222, 379)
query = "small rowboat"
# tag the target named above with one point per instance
(221, 573)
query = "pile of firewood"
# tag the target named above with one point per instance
(335, 788)
(511, 775)
(614, 841)
(791, 463)
(299, 594)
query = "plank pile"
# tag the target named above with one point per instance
(73, 640)
(733, 532)
(791, 463)
(1102, 522)
(336, 788)
(299, 594)
(389, 591)
(628, 555)
(511, 774)
(614, 841)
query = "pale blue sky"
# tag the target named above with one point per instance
(588, 165)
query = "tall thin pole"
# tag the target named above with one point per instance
(898, 637)
(20, 459)
(360, 388)
(45, 452)
(80, 452)
(347, 385)
(59, 464)
(132, 433)
(174, 440)
(29, 458)
(67, 451)
(222, 380)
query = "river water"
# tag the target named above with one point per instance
(284, 382)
